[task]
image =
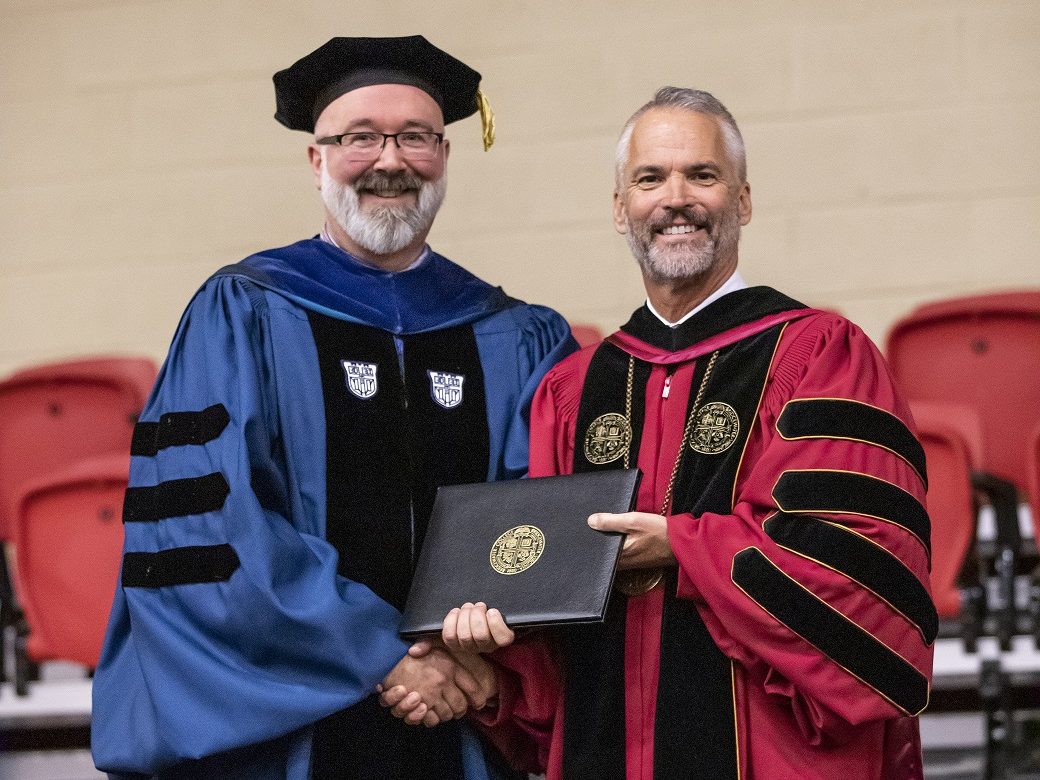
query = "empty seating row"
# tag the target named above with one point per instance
(971, 370)
(65, 431)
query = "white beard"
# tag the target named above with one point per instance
(670, 263)
(382, 230)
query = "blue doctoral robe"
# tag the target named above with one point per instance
(235, 630)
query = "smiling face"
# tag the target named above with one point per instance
(380, 210)
(680, 201)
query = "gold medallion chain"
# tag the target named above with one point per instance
(628, 399)
(636, 582)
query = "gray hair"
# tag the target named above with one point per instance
(694, 100)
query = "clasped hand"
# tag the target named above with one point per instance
(444, 678)
(431, 685)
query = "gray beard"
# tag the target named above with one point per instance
(671, 263)
(382, 230)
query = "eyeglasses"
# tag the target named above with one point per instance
(368, 145)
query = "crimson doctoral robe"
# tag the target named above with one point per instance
(794, 638)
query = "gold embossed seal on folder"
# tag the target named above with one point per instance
(517, 549)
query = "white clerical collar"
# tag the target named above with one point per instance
(734, 283)
(326, 236)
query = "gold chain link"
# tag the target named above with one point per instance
(628, 404)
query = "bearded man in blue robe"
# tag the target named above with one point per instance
(283, 472)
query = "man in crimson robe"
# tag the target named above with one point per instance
(771, 615)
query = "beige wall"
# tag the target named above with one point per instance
(894, 149)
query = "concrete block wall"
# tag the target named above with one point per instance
(892, 149)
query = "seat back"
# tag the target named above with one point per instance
(983, 352)
(951, 506)
(586, 334)
(52, 415)
(1034, 480)
(68, 547)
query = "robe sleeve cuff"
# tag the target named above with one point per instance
(500, 709)
(679, 528)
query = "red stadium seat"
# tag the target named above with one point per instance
(68, 541)
(951, 435)
(1034, 492)
(951, 504)
(981, 351)
(586, 334)
(52, 415)
(1033, 461)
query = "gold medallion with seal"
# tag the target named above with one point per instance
(608, 438)
(636, 582)
(517, 549)
(715, 428)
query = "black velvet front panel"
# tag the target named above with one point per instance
(414, 419)
(689, 741)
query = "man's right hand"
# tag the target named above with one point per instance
(473, 628)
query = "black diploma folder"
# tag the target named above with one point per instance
(521, 546)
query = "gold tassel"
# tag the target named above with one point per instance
(487, 120)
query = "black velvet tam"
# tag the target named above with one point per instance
(304, 89)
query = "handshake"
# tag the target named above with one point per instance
(444, 678)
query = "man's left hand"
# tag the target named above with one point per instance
(646, 538)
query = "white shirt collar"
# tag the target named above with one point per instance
(326, 236)
(734, 283)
